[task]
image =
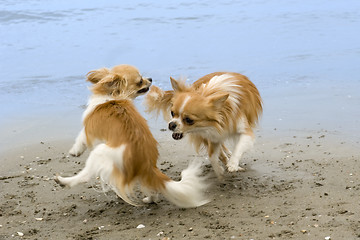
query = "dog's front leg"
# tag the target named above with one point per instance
(225, 154)
(80, 144)
(214, 153)
(245, 143)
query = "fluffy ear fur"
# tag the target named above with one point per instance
(96, 75)
(158, 100)
(219, 100)
(178, 86)
(112, 84)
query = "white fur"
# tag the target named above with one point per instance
(228, 84)
(79, 146)
(184, 104)
(188, 192)
(245, 143)
(99, 164)
(95, 100)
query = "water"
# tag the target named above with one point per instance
(47, 47)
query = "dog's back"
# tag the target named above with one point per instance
(118, 123)
(249, 99)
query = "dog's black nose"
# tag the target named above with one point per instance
(172, 126)
(150, 79)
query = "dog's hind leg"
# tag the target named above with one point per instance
(80, 144)
(246, 141)
(98, 163)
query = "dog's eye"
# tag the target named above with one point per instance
(172, 113)
(188, 121)
(141, 82)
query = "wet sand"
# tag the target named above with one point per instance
(299, 184)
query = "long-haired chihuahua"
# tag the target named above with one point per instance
(215, 108)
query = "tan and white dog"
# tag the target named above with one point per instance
(124, 152)
(215, 108)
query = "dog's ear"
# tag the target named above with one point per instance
(114, 83)
(96, 76)
(178, 86)
(174, 84)
(219, 100)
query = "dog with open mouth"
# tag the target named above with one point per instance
(217, 107)
(124, 152)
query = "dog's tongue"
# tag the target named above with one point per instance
(177, 136)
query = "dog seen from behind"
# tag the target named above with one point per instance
(124, 152)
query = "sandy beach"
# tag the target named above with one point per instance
(300, 183)
(303, 186)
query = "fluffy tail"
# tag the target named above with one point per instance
(158, 101)
(186, 193)
(189, 191)
(122, 177)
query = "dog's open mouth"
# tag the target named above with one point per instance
(143, 90)
(177, 136)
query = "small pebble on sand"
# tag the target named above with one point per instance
(140, 226)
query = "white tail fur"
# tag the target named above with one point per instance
(188, 192)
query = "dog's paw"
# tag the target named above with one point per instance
(233, 168)
(219, 171)
(58, 180)
(76, 151)
(151, 199)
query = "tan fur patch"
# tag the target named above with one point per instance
(116, 123)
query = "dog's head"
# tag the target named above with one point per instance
(194, 113)
(121, 80)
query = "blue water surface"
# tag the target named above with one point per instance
(47, 47)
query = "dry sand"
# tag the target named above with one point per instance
(298, 185)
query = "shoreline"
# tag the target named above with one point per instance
(293, 107)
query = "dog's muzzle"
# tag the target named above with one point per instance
(175, 135)
(172, 126)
